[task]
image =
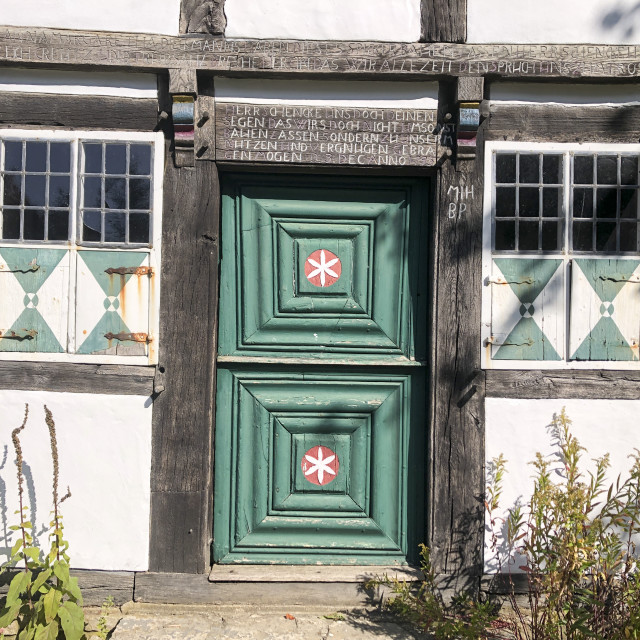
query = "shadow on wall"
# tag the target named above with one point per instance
(623, 20)
(7, 537)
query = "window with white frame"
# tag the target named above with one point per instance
(80, 245)
(561, 256)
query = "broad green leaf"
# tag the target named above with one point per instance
(18, 585)
(8, 614)
(16, 546)
(52, 604)
(50, 632)
(72, 619)
(74, 590)
(43, 576)
(61, 569)
(33, 553)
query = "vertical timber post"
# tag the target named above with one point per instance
(443, 21)
(458, 390)
(181, 472)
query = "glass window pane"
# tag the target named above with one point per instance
(12, 155)
(583, 203)
(606, 203)
(628, 203)
(91, 226)
(33, 224)
(139, 193)
(605, 236)
(58, 225)
(92, 158)
(629, 170)
(140, 160)
(11, 224)
(115, 224)
(116, 160)
(551, 204)
(506, 167)
(528, 235)
(607, 170)
(551, 240)
(59, 191)
(628, 236)
(35, 188)
(59, 157)
(37, 156)
(529, 202)
(583, 236)
(552, 169)
(92, 192)
(529, 168)
(139, 227)
(12, 190)
(505, 235)
(583, 170)
(114, 193)
(505, 201)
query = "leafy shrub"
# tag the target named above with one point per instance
(43, 598)
(422, 605)
(576, 537)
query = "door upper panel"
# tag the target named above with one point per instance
(322, 268)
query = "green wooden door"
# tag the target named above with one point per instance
(320, 426)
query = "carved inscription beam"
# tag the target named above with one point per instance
(315, 58)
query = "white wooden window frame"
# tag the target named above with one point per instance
(76, 138)
(567, 149)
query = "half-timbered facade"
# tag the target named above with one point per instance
(290, 274)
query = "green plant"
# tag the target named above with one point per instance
(422, 605)
(103, 626)
(43, 598)
(576, 538)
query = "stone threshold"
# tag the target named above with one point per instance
(309, 573)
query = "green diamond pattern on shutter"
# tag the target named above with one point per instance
(34, 300)
(267, 425)
(111, 303)
(527, 309)
(285, 303)
(605, 309)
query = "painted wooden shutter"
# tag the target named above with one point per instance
(527, 309)
(112, 299)
(34, 298)
(605, 309)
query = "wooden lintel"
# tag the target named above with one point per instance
(299, 58)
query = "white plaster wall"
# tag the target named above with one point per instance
(127, 85)
(567, 94)
(385, 20)
(550, 21)
(137, 16)
(416, 95)
(104, 446)
(520, 428)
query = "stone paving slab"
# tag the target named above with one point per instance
(150, 622)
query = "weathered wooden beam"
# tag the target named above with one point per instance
(562, 123)
(444, 20)
(457, 420)
(182, 417)
(52, 47)
(78, 112)
(77, 378)
(612, 385)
